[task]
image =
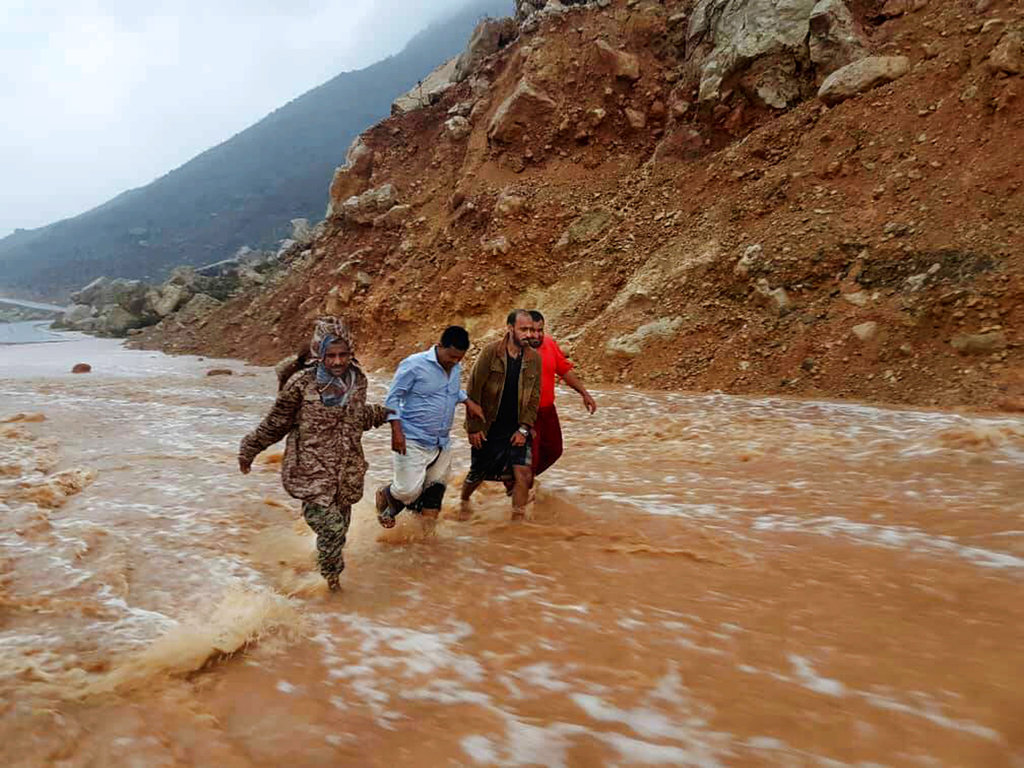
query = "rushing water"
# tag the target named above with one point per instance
(705, 581)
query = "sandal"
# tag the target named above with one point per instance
(385, 514)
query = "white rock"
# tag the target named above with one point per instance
(861, 76)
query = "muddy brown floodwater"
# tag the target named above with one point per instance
(705, 581)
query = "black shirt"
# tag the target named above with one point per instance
(507, 420)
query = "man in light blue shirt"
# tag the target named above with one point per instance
(423, 396)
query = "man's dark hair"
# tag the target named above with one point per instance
(455, 336)
(511, 319)
(537, 316)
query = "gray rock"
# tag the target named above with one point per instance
(457, 127)
(490, 36)
(498, 245)
(865, 331)
(114, 320)
(835, 39)
(396, 216)
(170, 298)
(979, 343)
(352, 178)
(748, 260)
(222, 268)
(75, 315)
(363, 209)
(857, 298)
(509, 203)
(1008, 54)
(196, 309)
(777, 298)
(91, 292)
(728, 37)
(527, 107)
(632, 344)
(428, 90)
(301, 231)
(861, 76)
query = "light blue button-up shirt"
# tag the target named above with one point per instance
(423, 397)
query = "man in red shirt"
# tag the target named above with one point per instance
(548, 443)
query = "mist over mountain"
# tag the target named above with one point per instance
(241, 192)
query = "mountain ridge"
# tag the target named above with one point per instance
(241, 192)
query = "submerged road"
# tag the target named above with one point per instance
(705, 581)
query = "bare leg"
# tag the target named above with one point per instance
(468, 487)
(521, 491)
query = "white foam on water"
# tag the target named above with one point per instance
(812, 680)
(888, 536)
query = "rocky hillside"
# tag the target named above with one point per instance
(792, 196)
(242, 192)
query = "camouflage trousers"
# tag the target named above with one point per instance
(330, 524)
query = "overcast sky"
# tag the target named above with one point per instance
(100, 96)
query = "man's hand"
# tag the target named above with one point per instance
(518, 439)
(476, 439)
(397, 438)
(589, 402)
(244, 465)
(474, 411)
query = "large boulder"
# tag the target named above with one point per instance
(428, 91)
(91, 292)
(761, 43)
(861, 76)
(130, 295)
(835, 38)
(490, 36)
(169, 298)
(364, 208)
(75, 315)
(525, 108)
(115, 320)
(350, 179)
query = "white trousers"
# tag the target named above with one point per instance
(419, 468)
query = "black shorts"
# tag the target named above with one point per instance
(494, 461)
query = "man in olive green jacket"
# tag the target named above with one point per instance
(505, 381)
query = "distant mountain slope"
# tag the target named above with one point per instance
(241, 192)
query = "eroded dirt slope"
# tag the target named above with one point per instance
(676, 243)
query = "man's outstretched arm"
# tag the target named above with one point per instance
(573, 381)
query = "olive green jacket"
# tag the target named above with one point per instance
(487, 381)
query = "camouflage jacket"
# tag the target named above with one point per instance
(323, 457)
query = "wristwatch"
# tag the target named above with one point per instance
(524, 432)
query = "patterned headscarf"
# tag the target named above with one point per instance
(334, 391)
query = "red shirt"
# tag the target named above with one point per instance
(553, 362)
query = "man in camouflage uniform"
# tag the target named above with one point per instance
(323, 411)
